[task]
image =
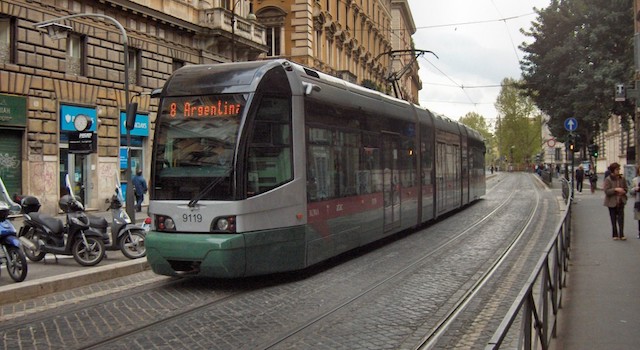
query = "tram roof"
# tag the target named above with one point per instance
(244, 77)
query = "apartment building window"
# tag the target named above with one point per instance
(135, 59)
(76, 59)
(319, 44)
(273, 41)
(7, 40)
(177, 64)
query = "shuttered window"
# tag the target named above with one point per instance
(10, 157)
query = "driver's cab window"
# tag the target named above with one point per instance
(270, 147)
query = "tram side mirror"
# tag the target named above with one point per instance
(309, 88)
(156, 93)
(132, 109)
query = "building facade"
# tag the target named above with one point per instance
(45, 84)
(404, 65)
(350, 39)
(49, 86)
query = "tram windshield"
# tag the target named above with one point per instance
(195, 145)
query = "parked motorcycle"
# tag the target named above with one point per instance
(50, 235)
(11, 253)
(121, 234)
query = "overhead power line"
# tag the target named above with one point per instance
(476, 22)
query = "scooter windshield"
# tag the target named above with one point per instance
(5, 198)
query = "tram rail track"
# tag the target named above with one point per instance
(282, 337)
(429, 340)
(394, 276)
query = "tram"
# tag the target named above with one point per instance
(268, 166)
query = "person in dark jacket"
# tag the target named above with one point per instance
(615, 197)
(140, 187)
(579, 178)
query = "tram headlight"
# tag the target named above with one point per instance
(165, 223)
(224, 224)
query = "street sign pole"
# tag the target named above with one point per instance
(571, 124)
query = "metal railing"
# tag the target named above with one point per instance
(531, 322)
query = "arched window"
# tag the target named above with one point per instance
(273, 18)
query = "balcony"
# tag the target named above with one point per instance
(250, 36)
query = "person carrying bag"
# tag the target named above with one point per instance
(635, 189)
(615, 198)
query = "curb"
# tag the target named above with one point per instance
(36, 288)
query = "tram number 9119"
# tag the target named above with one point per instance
(191, 217)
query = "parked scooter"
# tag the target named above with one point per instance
(49, 235)
(121, 234)
(11, 253)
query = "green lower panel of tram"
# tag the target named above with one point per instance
(226, 255)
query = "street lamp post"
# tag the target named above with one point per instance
(250, 16)
(53, 28)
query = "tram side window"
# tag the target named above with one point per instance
(407, 165)
(320, 161)
(333, 167)
(370, 173)
(427, 157)
(270, 149)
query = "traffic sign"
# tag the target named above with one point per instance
(571, 124)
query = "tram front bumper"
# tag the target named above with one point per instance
(211, 255)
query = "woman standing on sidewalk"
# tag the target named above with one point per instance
(635, 189)
(615, 197)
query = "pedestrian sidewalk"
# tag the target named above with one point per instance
(57, 280)
(601, 308)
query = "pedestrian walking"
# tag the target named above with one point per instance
(579, 178)
(615, 197)
(140, 187)
(593, 181)
(635, 189)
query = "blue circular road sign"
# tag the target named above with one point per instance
(571, 124)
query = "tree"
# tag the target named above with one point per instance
(518, 131)
(478, 123)
(581, 49)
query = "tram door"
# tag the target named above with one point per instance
(390, 181)
(441, 185)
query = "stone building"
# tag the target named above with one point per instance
(46, 83)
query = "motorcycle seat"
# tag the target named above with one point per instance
(97, 222)
(52, 223)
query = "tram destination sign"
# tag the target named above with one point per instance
(204, 107)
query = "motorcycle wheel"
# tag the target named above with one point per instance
(36, 254)
(16, 264)
(89, 254)
(132, 244)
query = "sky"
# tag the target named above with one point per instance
(476, 43)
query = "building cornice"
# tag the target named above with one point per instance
(152, 14)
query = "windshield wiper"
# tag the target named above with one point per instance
(201, 194)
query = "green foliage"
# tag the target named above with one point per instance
(519, 129)
(582, 49)
(478, 123)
